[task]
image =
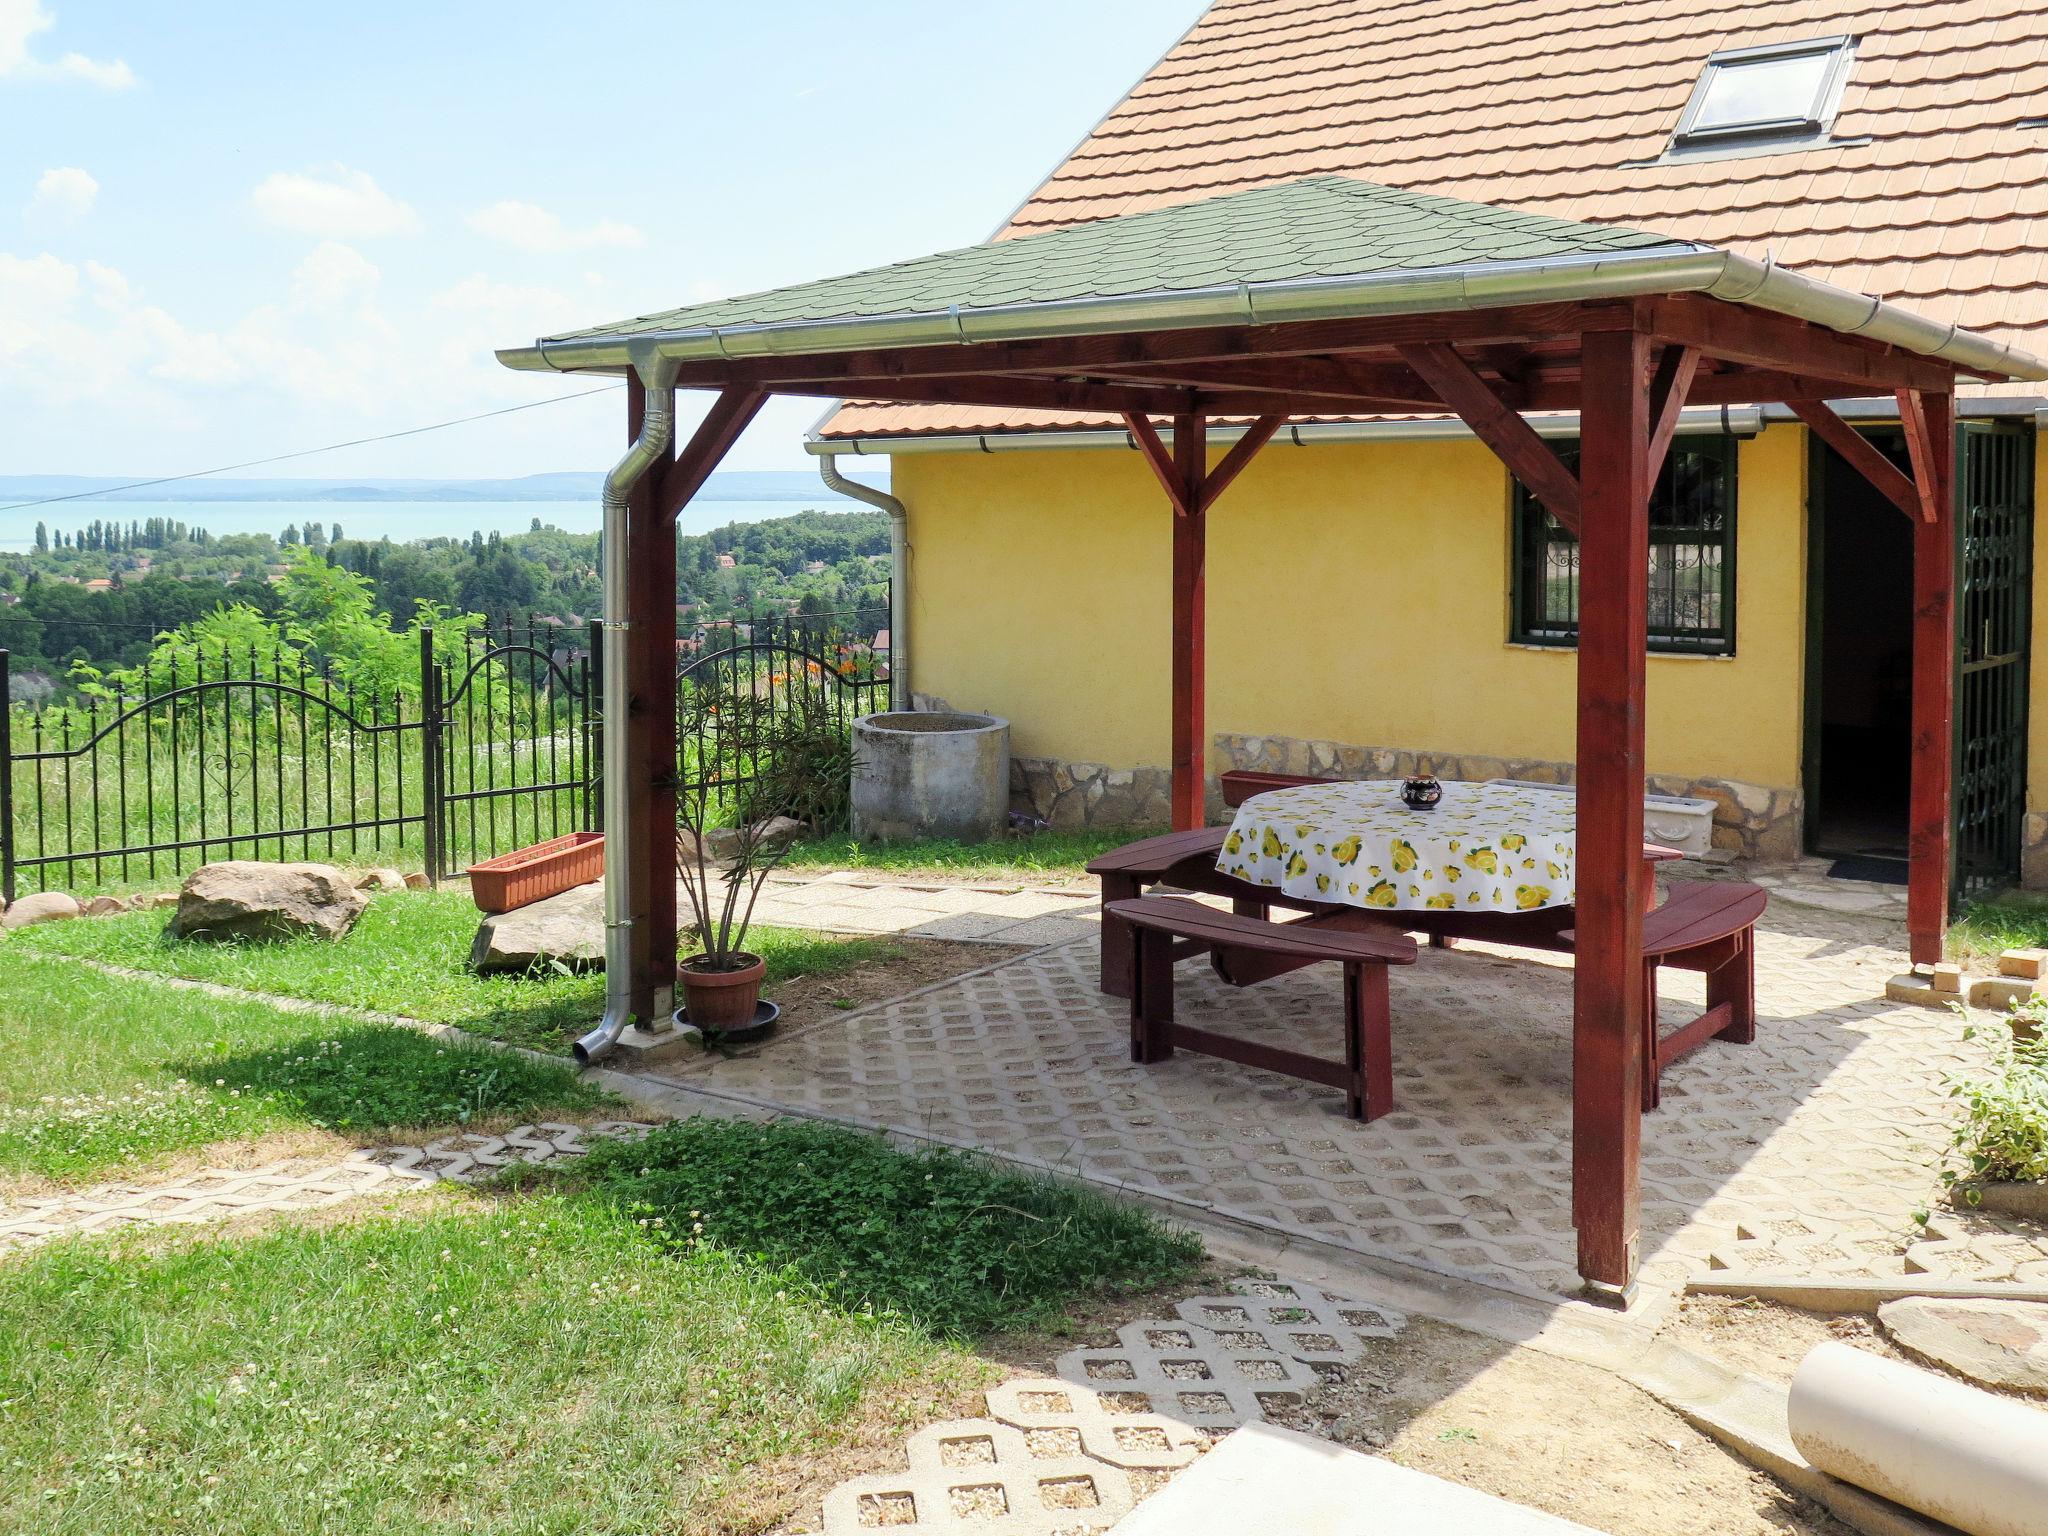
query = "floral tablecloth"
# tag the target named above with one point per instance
(1486, 847)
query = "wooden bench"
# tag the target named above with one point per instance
(1163, 924)
(1186, 860)
(1708, 926)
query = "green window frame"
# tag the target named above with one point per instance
(1692, 556)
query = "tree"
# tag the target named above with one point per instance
(42, 537)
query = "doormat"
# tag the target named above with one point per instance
(1863, 866)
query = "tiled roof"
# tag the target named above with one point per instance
(1318, 226)
(1932, 194)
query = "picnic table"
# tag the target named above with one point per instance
(1482, 848)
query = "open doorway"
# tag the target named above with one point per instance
(1859, 666)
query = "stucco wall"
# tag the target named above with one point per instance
(1356, 593)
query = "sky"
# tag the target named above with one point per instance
(229, 230)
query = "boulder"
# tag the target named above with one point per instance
(566, 929)
(248, 899)
(379, 880)
(144, 901)
(417, 881)
(41, 907)
(1999, 1343)
(105, 906)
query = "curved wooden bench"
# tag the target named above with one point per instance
(1183, 859)
(1708, 926)
(1163, 923)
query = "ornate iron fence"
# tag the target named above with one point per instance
(493, 744)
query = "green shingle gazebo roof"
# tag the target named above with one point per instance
(1318, 227)
(1323, 247)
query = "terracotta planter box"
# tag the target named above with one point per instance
(529, 874)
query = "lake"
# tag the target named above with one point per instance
(397, 520)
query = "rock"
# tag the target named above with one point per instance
(41, 907)
(2030, 963)
(248, 899)
(1948, 978)
(379, 880)
(568, 928)
(1913, 987)
(103, 906)
(416, 881)
(1999, 1343)
(146, 901)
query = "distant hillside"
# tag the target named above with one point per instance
(568, 485)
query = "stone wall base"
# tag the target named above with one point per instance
(2034, 851)
(1751, 821)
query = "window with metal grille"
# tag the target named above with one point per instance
(1692, 556)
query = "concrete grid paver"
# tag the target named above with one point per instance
(1808, 1152)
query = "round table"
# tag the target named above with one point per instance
(1485, 847)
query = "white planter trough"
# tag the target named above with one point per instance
(922, 774)
(1683, 822)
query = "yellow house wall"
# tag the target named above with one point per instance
(1357, 593)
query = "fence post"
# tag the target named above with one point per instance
(593, 733)
(6, 783)
(431, 808)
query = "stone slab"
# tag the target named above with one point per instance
(1998, 1343)
(2000, 992)
(1266, 1481)
(566, 929)
(1914, 987)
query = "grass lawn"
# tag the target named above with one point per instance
(1037, 857)
(573, 1358)
(408, 954)
(2008, 922)
(108, 1075)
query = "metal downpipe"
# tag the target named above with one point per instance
(657, 428)
(900, 695)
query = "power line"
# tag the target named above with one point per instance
(306, 453)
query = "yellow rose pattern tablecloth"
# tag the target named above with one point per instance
(1485, 847)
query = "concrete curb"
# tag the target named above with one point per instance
(1858, 1295)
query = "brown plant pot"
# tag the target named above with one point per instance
(721, 1001)
(529, 874)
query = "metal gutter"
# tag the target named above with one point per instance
(899, 574)
(1676, 268)
(1732, 420)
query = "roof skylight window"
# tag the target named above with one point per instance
(1781, 90)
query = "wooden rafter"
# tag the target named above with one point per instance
(1915, 417)
(1499, 426)
(1758, 339)
(1860, 454)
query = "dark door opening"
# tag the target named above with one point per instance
(1859, 664)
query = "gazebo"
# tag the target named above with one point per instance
(1219, 321)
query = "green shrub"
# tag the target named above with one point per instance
(951, 1241)
(2003, 1135)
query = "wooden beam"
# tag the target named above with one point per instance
(1190, 621)
(1085, 354)
(1528, 457)
(1860, 454)
(1759, 339)
(1930, 815)
(1669, 390)
(1383, 386)
(1607, 1014)
(728, 417)
(1928, 502)
(1242, 452)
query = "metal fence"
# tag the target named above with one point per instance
(488, 744)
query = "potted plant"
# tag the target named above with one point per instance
(764, 761)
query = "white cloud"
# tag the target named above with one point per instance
(337, 203)
(333, 274)
(529, 227)
(64, 192)
(21, 21)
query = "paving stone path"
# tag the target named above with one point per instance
(1071, 1454)
(298, 1184)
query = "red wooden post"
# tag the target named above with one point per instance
(1930, 434)
(649, 862)
(1607, 1019)
(1190, 622)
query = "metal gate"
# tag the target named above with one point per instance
(1994, 578)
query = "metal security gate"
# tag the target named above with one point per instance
(1994, 578)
